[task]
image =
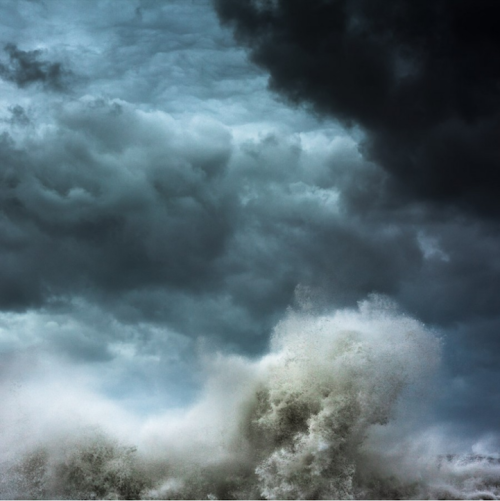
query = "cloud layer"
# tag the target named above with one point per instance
(157, 202)
(421, 79)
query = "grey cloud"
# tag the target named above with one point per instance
(27, 67)
(122, 192)
(470, 399)
(129, 205)
(460, 279)
(146, 366)
(177, 223)
(19, 116)
(176, 59)
(114, 202)
(131, 239)
(185, 228)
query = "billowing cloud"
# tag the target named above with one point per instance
(127, 205)
(166, 207)
(211, 231)
(421, 79)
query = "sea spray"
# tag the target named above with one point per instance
(320, 416)
(329, 379)
(88, 466)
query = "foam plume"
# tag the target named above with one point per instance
(331, 412)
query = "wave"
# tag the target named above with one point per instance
(333, 411)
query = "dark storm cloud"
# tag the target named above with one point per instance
(112, 192)
(177, 223)
(421, 78)
(174, 222)
(27, 67)
(177, 228)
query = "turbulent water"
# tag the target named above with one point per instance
(333, 411)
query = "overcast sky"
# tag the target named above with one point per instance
(176, 174)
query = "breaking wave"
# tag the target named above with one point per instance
(333, 411)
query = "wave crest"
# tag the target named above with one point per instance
(330, 412)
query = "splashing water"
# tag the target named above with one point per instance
(331, 412)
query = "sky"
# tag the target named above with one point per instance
(176, 175)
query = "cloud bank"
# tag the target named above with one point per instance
(421, 80)
(161, 212)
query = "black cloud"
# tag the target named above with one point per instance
(421, 78)
(26, 67)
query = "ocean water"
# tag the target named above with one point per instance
(333, 411)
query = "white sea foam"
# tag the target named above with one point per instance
(333, 411)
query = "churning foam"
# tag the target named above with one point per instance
(326, 414)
